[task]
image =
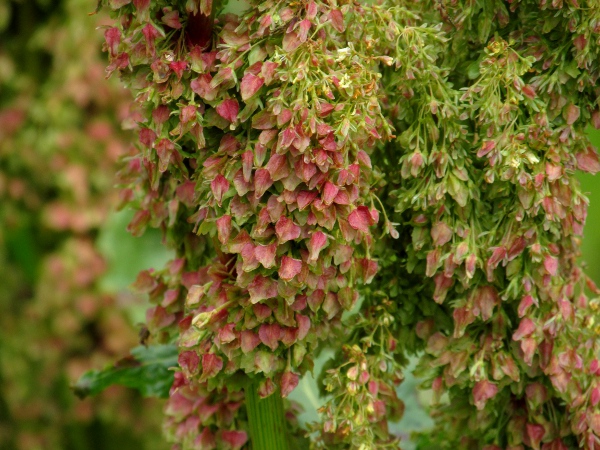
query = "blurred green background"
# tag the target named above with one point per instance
(591, 241)
(66, 260)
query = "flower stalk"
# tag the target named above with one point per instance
(266, 420)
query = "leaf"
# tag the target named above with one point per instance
(147, 369)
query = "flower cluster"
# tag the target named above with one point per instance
(363, 384)
(259, 143)
(196, 418)
(270, 145)
(489, 141)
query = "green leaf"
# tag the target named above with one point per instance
(147, 369)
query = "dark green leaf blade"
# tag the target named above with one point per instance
(147, 369)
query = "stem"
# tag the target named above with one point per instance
(266, 420)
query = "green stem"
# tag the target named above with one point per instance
(266, 420)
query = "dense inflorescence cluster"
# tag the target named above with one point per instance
(411, 165)
(488, 193)
(281, 189)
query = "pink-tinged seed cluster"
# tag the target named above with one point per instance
(197, 418)
(287, 195)
(255, 162)
(265, 153)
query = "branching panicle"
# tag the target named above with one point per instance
(271, 157)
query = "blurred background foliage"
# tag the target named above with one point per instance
(59, 145)
(591, 241)
(66, 259)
